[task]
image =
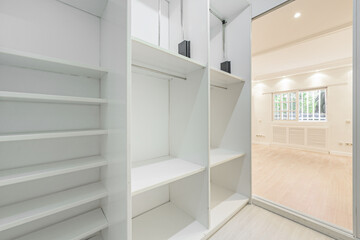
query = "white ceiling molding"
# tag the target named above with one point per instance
(307, 38)
(341, 63)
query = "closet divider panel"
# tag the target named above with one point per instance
(237, 136)
(230, 142)
(116, 88)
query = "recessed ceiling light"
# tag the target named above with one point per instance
(297, 15)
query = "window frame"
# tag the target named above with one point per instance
(288, 102)
(314, 120)
(297, 107)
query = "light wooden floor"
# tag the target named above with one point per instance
(317, 184)
(254, 223)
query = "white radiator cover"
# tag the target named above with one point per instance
(309, 137)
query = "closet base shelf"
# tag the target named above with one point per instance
(75, 228)
(224, 205)
(166, 222)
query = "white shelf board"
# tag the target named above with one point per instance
(46, 135)
(224, 205)
(161, 171)
(219, 156)
(166, 222)
(219, 77)
(157, 58)
(34, 97)
(48, 64)
(75, 228)
(33, 209)
(24, 174)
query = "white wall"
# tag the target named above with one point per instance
(339, 106)
(330, 53)
(67, 33)
(145, 21)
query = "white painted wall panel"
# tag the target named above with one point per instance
(54, 29)
(145, 21)
(150, 117)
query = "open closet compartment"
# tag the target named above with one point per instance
(230, 147)
(63, 119)
(169, 130)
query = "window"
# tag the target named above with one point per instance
(309, 105)
(285, 106)
(312, 105)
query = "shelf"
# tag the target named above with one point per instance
(152, 56)
(223, 78)
(33, 97)
(48, 64)
(24, 174)
(224, 205)
(96, 238)
(219, 156)
(33, 209)
(161, 171)
(46, 135)
(75, 228)
(166, 222)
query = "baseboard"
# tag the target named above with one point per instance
(343, 154)
(261, 143)
(315, 224)
(309, 149)
(303, 148)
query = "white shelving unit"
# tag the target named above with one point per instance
(18, 175)
(76, 228)
(169, 125)
(95, 120)
(219, 156)
(64, 121)
(18, 96)
(148, 55)
(224, 205)
(47, 135)
(155, 224)
(19, 213)
(230, 162)
(160, 172)
(21, 59)
(223, 78)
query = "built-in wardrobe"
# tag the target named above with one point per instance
(107, 132)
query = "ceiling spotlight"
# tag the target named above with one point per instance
(297, 15)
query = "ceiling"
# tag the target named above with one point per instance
(279, 28)
(226, 9)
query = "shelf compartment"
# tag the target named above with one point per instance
(219, 77)
(47, 135)
(224, 205)
(166, 222)
(23, 212)
(75, 228)
(161, 171)
(34, 97)
(18, 175)
(48, 64)
(151, 56)
(219, 156)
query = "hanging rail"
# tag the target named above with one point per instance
(217, 86)
(159, 72)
